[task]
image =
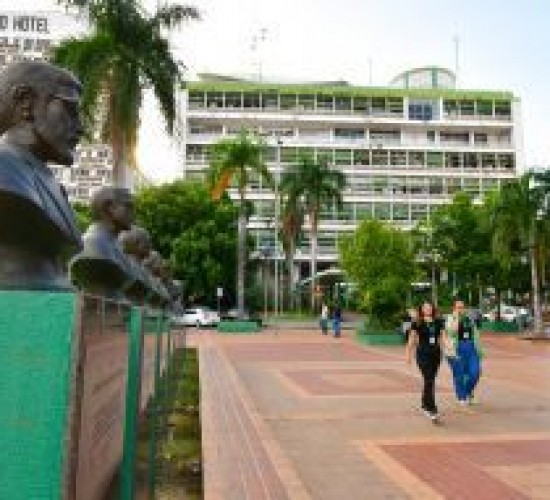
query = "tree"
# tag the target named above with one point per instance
(83, 215)
(380, 260)
(517, 229)
(195, 233)
(292, 220)
(125, 53)
(238, 160)
(315, 185)
(455, 234)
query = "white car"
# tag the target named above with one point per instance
(198, 316)
(510, 314)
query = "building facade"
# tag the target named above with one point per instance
(405, 149)
(30, 36)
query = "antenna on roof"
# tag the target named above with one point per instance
(456, 41)
(256, 47)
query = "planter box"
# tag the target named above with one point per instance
(246, 327)
(499, 327)
(379, 338)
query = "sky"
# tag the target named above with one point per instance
(502, 45)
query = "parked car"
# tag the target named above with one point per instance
(233, 315)
(510, 314)
(198, 316)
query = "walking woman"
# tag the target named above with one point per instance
(427, 335)
(465, 362)
(323, 322)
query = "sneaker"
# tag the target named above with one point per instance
(434, 418)
(424, 411)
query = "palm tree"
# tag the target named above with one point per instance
(236, 160)
(317, 186)
(125, 53)
(292, 220)
(516, 228)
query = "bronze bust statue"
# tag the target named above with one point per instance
(158, 268)
(102, 266)
(136, 245)
(39, 123)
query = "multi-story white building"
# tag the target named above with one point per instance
(30, 36)
(405, 149)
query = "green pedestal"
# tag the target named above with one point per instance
(500, 327)
(238, 327)
(379, 338)
(36, 346)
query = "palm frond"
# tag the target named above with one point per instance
(174, 15)
(221, 184)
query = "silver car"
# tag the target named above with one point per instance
(198, 316)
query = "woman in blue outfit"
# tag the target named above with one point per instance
(428, 335)
(337, 321)
(465, 361)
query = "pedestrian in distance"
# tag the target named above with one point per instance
(337, 321)
(427, 337)
(323, 321)
(465, 356)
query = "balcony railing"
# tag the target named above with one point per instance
(362, 143)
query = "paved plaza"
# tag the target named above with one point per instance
(298, 415)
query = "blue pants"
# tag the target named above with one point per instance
(466, 368)
(337, 326)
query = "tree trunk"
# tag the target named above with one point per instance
(290, 264)
(241, 256)
(313, 267)
(118, 143)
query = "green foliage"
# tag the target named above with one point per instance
(237, 159)
(458, 235)
(380, 260)
(82, 214)
(314, 184)
(514, 217)
(195, 233)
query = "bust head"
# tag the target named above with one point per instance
(155, 263)
(114, 207)
(136, 242)
(39, 110)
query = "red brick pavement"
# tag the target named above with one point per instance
(305, 416)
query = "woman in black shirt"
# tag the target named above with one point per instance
(427, 335)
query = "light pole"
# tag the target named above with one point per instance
(276, 226)
(542, 210)
(264, 252)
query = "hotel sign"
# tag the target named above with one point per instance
(24, 23)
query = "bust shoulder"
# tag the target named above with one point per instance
(101, 244)
(16, 177)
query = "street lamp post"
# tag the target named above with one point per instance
(542, 210)
(264, 253)
(276, 226)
